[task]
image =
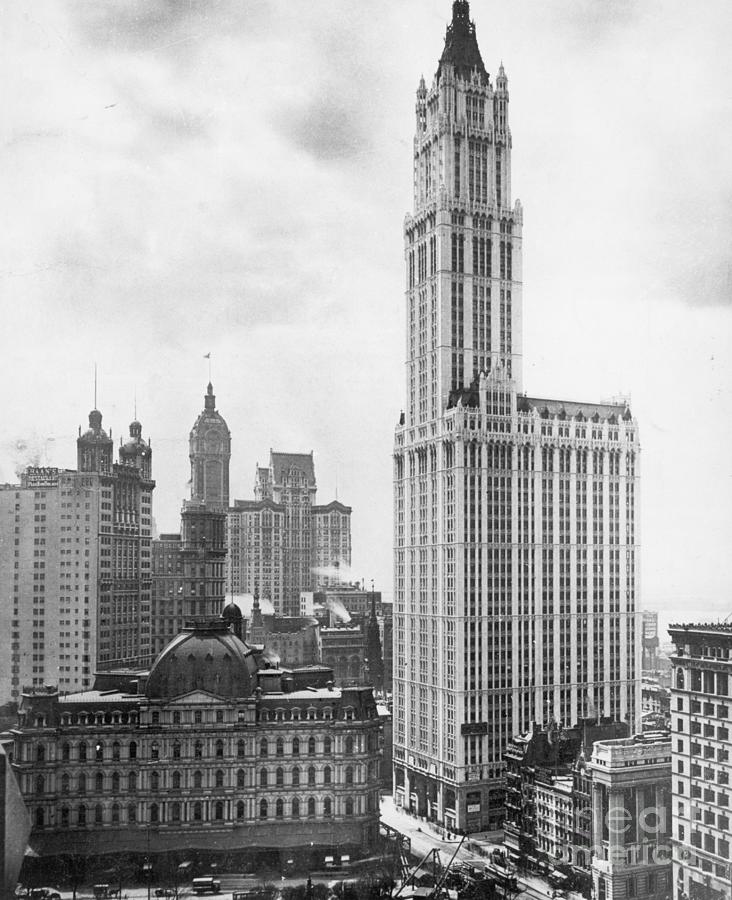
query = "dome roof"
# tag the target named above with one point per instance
(205, 656)
(231, 612)
(96, 432)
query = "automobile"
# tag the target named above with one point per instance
(166, 892)
(44, 893)
(207, 884)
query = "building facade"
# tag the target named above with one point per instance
(631, 817)
(515, 536)
(75, 565)
(208, 753)
(700, 727)
(282, 543)
(649, 643)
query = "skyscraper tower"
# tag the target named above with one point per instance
(210, 454)
(515, 541)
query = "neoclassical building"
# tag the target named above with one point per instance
(206, 752)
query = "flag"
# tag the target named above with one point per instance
(207, 356)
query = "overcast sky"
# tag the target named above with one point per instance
(180, 178)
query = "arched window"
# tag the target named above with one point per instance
(240, 809)
(40, 753)
(262, 809)
(154, 812)
(131, 812)
(132, 782)
(99, 751)
(219, 810)
(280, 747)
(219, 749)
(295, 808)
(99, 782)
(349, 774)
(326, 745)
(296, 746)
(197, 810)
(115, 750)
(81, 784)
(175, 811)
(349, 806)
(176, 749)
(240, 778)
(240, 748)
(349, 744)
(98, 814)
(219, 778)
(326, 775)
(311, 807)
(311, 775)
(311, 746)
(198, 750)
(155, 750)
(65, 751)
(263, 747)
(263, 778)
(81, 816)
(327, 807)
(65, 783)
(176, 717)
(65, 816)
(82, 752)
(115, 783)
(40, 818)
(115, 813)
(197, 780)
(279, 808)
(155, 781)
(176, 781)
(279, 777)
(296, 776)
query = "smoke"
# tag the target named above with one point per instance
(339, 610)
(27, 451)
(340, 572)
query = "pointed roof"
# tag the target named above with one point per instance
(461, 45)
(281, 463)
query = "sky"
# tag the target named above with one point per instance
(231, 177)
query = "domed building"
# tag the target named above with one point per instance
(207, 756)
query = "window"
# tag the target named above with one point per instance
(311, 807)
(295, 808)
(296, 776)
(99, 814)
(82, 752)
(311, 775)
(40, 753)
(262, 809)
(81, 816)
(154, 750)
(280, 747)
(197, 810)
(65, 752)
(40, 784)
(349, 775)
(175, 811)
(296, 746)
(263, 778)
(219, 810)
(115, 813)
(349, 745)
(326, 775)
(311, 746)
(327, 807)
(197, 780)
(132, 782)
(279, 808)
(327, 745)
(240, 748)
(99, 782)
(99, 751)
(133, 750)
(349, 806)
(176, 717)
(219, 778)
(197, 717)
(198, 750)
(65, 783)
(240, 809)
(154, 812)
(263, 749)
(115, 783)
(176, 781)
(115, 750)
(219, 749)
(176, 749)
(219, 715)
(279, 777)
(154, 781)
(131, 812)
(632, 886)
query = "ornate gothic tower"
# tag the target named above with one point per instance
(210, 453)
(94, 448)
(515, 549)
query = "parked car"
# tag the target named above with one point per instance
(44, 893)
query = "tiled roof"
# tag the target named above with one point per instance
(281, 463)
(571, 408)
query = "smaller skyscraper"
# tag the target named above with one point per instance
(700, 724)
(210, 454)
(650, 642)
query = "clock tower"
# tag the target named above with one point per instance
(210, 453)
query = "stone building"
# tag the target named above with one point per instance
(282, 543)
(344, 650)
(75, 565)
(516, 547)
(631, 817)
(207, 753)
(702, 771)
(210, 455)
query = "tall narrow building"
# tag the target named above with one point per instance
(515, 517)
(210, 454)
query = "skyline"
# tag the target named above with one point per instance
(141, 185)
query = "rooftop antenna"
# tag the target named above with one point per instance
(95, 385)
(135, 403)
(208, 357)
(336, 481)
